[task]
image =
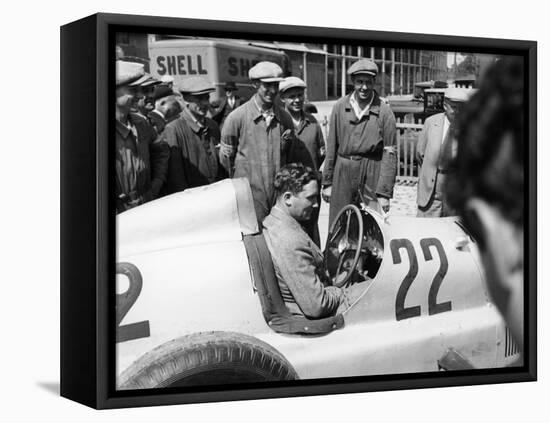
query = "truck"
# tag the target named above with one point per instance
(218, 61)
(426, 100)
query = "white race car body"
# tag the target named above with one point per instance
(428, 296)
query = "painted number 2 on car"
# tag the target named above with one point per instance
(396, 245)
(124, 303)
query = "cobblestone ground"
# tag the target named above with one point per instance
(402, 204)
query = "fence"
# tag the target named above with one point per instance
(407, 139)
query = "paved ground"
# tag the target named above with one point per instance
(402, 204)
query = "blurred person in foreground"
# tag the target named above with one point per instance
(487, 187)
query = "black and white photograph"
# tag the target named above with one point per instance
(291, 211)
(248, 211)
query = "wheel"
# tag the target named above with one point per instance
(210, 358)
(344, 244)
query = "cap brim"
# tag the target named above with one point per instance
(292, 86)
(271, 79)
(151, 82)
(208, 91)
(140, 80)
(364, 72)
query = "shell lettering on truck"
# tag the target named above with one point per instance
(180, 65)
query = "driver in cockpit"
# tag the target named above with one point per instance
(303, 281)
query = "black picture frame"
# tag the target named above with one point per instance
(88, 221)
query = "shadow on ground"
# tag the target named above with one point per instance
(51, 387)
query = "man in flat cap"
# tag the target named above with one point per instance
(141, 159)
(258, 138)
(167, 108)
(434, 151)
(192, 139)
(361, 143)
(227, 104)
(307, 129)
(145, 86)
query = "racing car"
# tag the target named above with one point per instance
(198, 301)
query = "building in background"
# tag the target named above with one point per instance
(323, 66)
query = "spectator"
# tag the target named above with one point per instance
(192, 139)
(228, 103)
(167, 108)
(308, 130)
(435, 150)
(360, 145)
(258, 138)
(140, 160)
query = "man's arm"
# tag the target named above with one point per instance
(332, 148)
(229, 143)
(159, 154)
(421, 144)
(176, 180)
(388, 166)
(297, 268)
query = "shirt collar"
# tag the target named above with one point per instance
(359, 113)
(192, 121)
(286, 220)
(125, 130)
(373, 107)
(305, 120)
(158, 112)
(259, 113)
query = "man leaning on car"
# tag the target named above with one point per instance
(303, 281)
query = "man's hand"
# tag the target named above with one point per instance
(227, 150)
(326, 193)
(384, 203)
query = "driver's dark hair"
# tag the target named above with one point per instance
(293, 177)
(490, 134)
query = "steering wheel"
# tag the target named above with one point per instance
(344, 244)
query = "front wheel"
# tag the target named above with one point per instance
(211, 358)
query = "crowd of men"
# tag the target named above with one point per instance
(171, 140)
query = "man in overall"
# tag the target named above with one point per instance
(361, 152)
(258, 138)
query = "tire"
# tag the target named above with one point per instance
(208, 358)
